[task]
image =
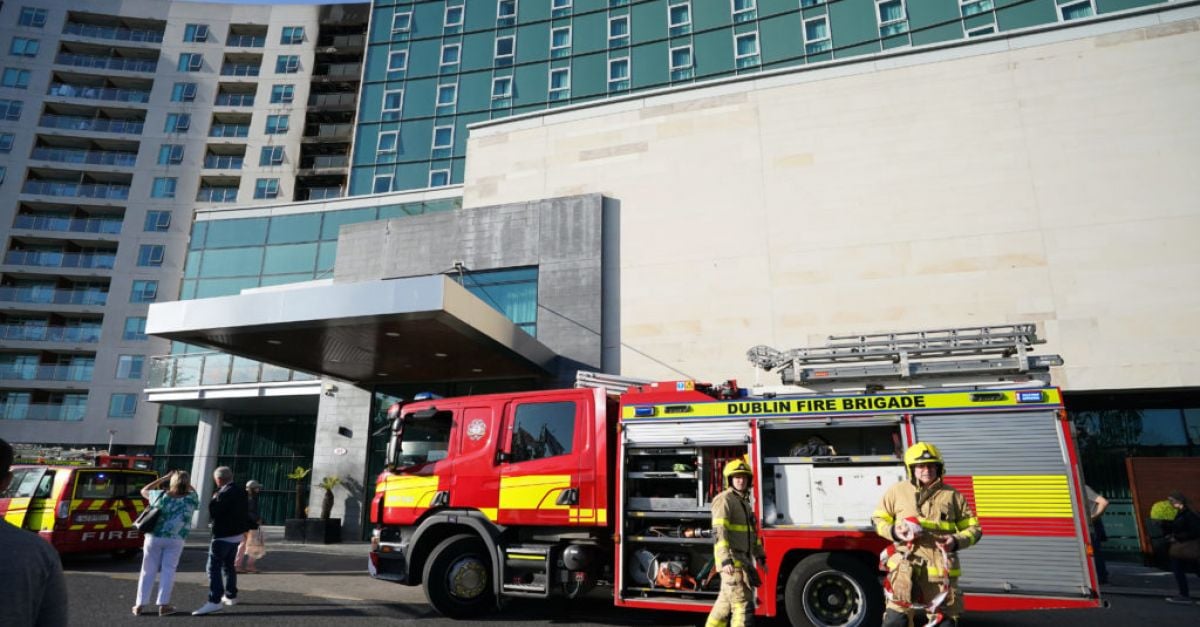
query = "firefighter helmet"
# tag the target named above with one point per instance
(738, 466)
(923, 453)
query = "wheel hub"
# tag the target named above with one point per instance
(467, 578)
(830, 599)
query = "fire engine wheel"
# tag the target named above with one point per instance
(458, 577)
(832, 590)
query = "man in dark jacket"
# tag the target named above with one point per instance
(230, 519)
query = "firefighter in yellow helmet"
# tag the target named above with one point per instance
(928, 523)
(737, 546)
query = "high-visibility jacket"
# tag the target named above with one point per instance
(734, 530)
(940, 510)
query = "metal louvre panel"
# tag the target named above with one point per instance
(1023, 565)
(995, 444)
(829, 423)
(677, 433)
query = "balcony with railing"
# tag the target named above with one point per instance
(234, 100)
(239, 69)
(245, 41)
(81, 156)
(328, 131)
(88, 92)
(197, 369)
(110, 191)
(49, 333)
(338, 70)
(318, 193)
(342, 42)
(52, 296)
(226, 129)
(101, 62)
(35, 372)
(217, 194)
(101, 125)
(115, 33)
(325, 162)
(336, 100)
(223, 162)
(42, 411)
(67, 225)
(59, 259)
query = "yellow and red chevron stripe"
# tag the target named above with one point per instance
(126, 511)
(1019, 505)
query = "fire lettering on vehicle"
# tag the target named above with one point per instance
(131, 534)
(883, 402)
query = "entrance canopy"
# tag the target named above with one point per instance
(418, 329)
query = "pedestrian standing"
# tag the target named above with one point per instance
(1096, 504)
(164, 543)
(736, 547)
(230, 519)
(1183, 534)
(251, 547)
(928, 523)
(31, 577)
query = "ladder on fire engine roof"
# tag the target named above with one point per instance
(615, 384)
(986, 355)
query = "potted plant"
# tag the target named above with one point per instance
(325, 529)
(294, 528)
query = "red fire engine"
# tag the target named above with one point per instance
(549, 493)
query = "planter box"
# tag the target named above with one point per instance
(293, 529)
(312, 530)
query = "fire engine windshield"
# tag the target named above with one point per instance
(423, 439)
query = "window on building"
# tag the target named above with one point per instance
(618, 74)
(447, 95)
(439, 178)
(11, 109)
(1075, 9)
(560, 4)
(506, 48)
(183, 92)
(170, 154)
(397, 60)
(33, 17)
(816, 35)
(979, 31)
(195, 33)
(135, 328)
(451, 54)
(381, 184)
(190, 62)
(151, 255)
(745, 50)
(122, 405)
(277, 124)
(388, 142)
(393, 104)
(6, 142)
(742, 10)
(287, 64)
(292, 35)
(973, 7)
(443, 137)
(177, 123)
(560, 42)
(266, 188)
(130, 366)
(502, 88)
(506, 12)
(893, 17)
(454, 16)
(618, 31)
(560, 83)
(810, 3)
(402, 22)
(163, 187)
(679, 18)
(542, 430)
(143, 292)
(282, 94)
(24, 47)
(680, 60)
(271, 155)
(15, 78)
(157, 221)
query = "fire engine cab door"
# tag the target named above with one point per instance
(1013, 469)
(543, 441)
(20, 493)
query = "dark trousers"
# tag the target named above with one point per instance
(1180, 569)
(1098, 537)
(220, 562)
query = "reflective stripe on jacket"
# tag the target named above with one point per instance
(939, 509)
(734, 530)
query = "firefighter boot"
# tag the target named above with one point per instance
(892, 618)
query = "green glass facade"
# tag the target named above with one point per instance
(435, 67)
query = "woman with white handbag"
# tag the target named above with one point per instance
(164, 538)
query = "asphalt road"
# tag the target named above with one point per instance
(312, 588)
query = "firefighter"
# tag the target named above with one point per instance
(928, 523)
(737, 546)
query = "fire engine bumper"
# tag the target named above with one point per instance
(387, 562)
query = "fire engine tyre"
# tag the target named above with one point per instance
(833, 590)
(458, 577)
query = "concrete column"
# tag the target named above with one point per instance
(204, 461)
(340, 449)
